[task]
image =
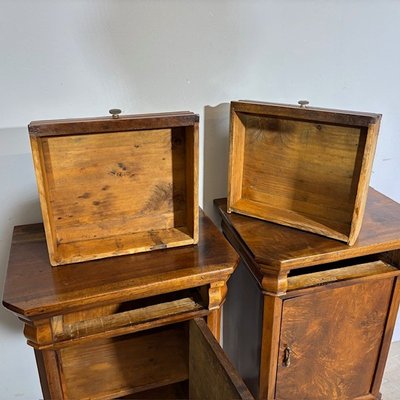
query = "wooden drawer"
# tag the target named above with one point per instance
(307, 168)
(114, 186)
(185, 355)
(124, 318)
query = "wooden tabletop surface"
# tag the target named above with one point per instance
(35, 289)
(285, 248)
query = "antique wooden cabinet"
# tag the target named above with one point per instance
(308, 317)
(126, 326)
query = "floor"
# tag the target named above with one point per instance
(391, 379)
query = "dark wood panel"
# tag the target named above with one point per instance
(109, 124)
(49, 291)
(211, 375)
(243, 311)
(334, 339)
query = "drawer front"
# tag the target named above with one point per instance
(330, 341)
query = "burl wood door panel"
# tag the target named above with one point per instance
(334, 339)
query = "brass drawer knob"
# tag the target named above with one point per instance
(303, 103)
(115, 112)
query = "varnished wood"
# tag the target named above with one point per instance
(283, 248)
(73, 126)
(301, 167)
(117, 326)
(334, 305)
(211, 375)
(390, 323)
(333, 357)
(51, 291)
(272, 316)
(89, 185)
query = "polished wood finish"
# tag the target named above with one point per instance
(329, 309)
(118, 326)
(34, 290)
(302, 168)
(279, 248)
(117, 186)
(333, 357)
(211, 375)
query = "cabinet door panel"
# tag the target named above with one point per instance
(211, 375)
(330, 341)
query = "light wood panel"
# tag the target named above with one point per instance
(300, 168)
(114, 193)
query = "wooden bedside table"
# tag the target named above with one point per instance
(312, 318)
(123, 325)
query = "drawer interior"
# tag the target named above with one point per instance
(177, 361)
(372, 266)
(131, 316)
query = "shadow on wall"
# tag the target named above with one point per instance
(216, 155)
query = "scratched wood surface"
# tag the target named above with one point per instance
(301, 170)
(333, 357)
(122, 192)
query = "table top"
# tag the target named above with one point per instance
(34, 289)
(282, 248)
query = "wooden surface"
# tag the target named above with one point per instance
(108, 193)
(73, 126)
(297, 169)
(335, 339)
(116, 367)
(332, 304)
(33, 289)
(211, 375)
(280, 248)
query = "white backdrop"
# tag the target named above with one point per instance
(70, 58)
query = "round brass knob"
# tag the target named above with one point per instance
(303, 103)
(115, 112)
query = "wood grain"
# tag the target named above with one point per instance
(117, 367)
(112, 193)
(298, 169)
(282, 248)
(333, 357)
(53, 291)
(211, 375)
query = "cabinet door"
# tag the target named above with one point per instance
(330, 341)
(211, 375)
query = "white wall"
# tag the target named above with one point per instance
(69, 58)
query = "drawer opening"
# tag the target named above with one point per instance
(119, 319)
(174, 361)
(358, 268)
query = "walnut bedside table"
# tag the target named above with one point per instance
(308, 317)
(126, 326)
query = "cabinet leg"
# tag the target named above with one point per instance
(214, 323)
(49, 375)
(270, 346)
